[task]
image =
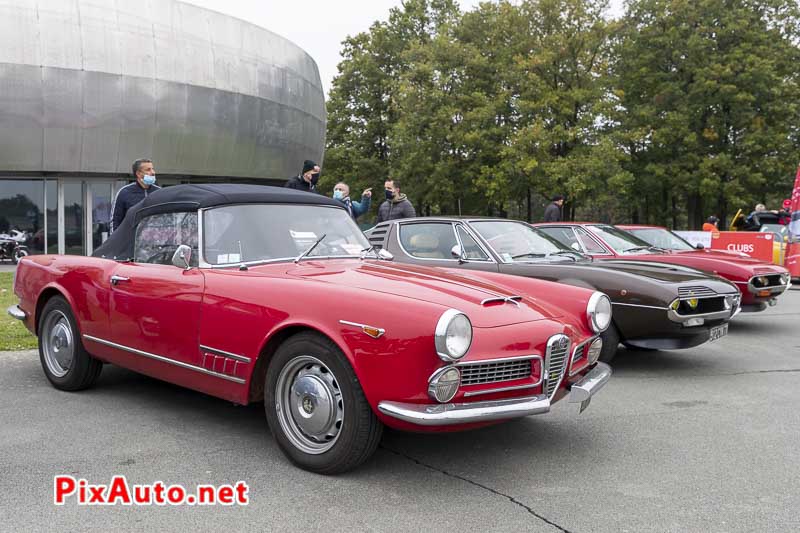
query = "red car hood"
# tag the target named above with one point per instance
(708, 260)
(430, 285)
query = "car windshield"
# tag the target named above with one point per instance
(515, 241)
(621, 241)
(662, 238)
(266, 232)
(780, 231)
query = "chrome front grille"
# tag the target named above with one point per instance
(695, 292)
(489, 372)
(556, 358)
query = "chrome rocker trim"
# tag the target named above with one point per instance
(164, 359)
(17, 312)
(468, 413)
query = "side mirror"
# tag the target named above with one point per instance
(575, 246)
(458, 253)
(384, 254)
(699, 246)
(182, 257)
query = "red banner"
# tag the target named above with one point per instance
(757, 245)
(794, 225)
(792, 260)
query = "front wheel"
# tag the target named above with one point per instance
(66, 363)
(610, 343)
(316, 408)
(19, 253)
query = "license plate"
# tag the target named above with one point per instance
(718, 332)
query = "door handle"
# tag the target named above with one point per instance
(116, 279)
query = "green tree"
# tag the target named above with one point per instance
(361, 105)
(707, 94)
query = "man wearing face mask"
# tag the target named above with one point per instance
(130, 195)
(396, 204)
(307, 179)
(341, 192)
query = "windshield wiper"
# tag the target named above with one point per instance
(310, 248)
(572, 253)
(529, 254)
(650, 248)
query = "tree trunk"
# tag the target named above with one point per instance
(529, 204)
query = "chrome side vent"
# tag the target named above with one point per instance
(555, 363)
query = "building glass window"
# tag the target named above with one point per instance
(74, 228)
(51, 191)
(22, 212)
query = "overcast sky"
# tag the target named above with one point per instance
(318, 26)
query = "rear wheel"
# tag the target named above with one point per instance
(66, 363)
(316, 408)
(610, 343)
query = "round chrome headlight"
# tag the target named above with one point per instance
(453, 335)
(598, 312)
(443, 384)
(594, 350)
(785, 277)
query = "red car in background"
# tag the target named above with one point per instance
(760, 283)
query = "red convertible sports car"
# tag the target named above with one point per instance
(760, 283)
(253, 293)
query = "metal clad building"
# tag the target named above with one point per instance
(87, 86)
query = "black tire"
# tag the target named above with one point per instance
(58, 332)
(610, 343)
(17, 255)
(310, 358)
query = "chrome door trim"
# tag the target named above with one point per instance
(223, 353)
(163, 359)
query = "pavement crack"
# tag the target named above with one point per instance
(774, 371)
(479, 485)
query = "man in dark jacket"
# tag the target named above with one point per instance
(552, 213)
(132, 194)
(307, 179)
(396, 204)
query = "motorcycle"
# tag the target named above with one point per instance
(12, 249)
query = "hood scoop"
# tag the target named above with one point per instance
(501, 300)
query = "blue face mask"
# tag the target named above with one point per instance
(338, 195)
(389, 194)
(149, 179)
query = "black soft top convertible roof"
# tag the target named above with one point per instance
(188, 198)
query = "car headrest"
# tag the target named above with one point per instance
(424, 242)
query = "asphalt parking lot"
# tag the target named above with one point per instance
(706, 439)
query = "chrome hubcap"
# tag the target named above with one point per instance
(57, 344)
(309, 404)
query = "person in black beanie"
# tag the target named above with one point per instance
(552, 212)
(307, 179)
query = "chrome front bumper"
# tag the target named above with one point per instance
(16, 312)
(476, 412)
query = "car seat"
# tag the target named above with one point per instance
(425, 245)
